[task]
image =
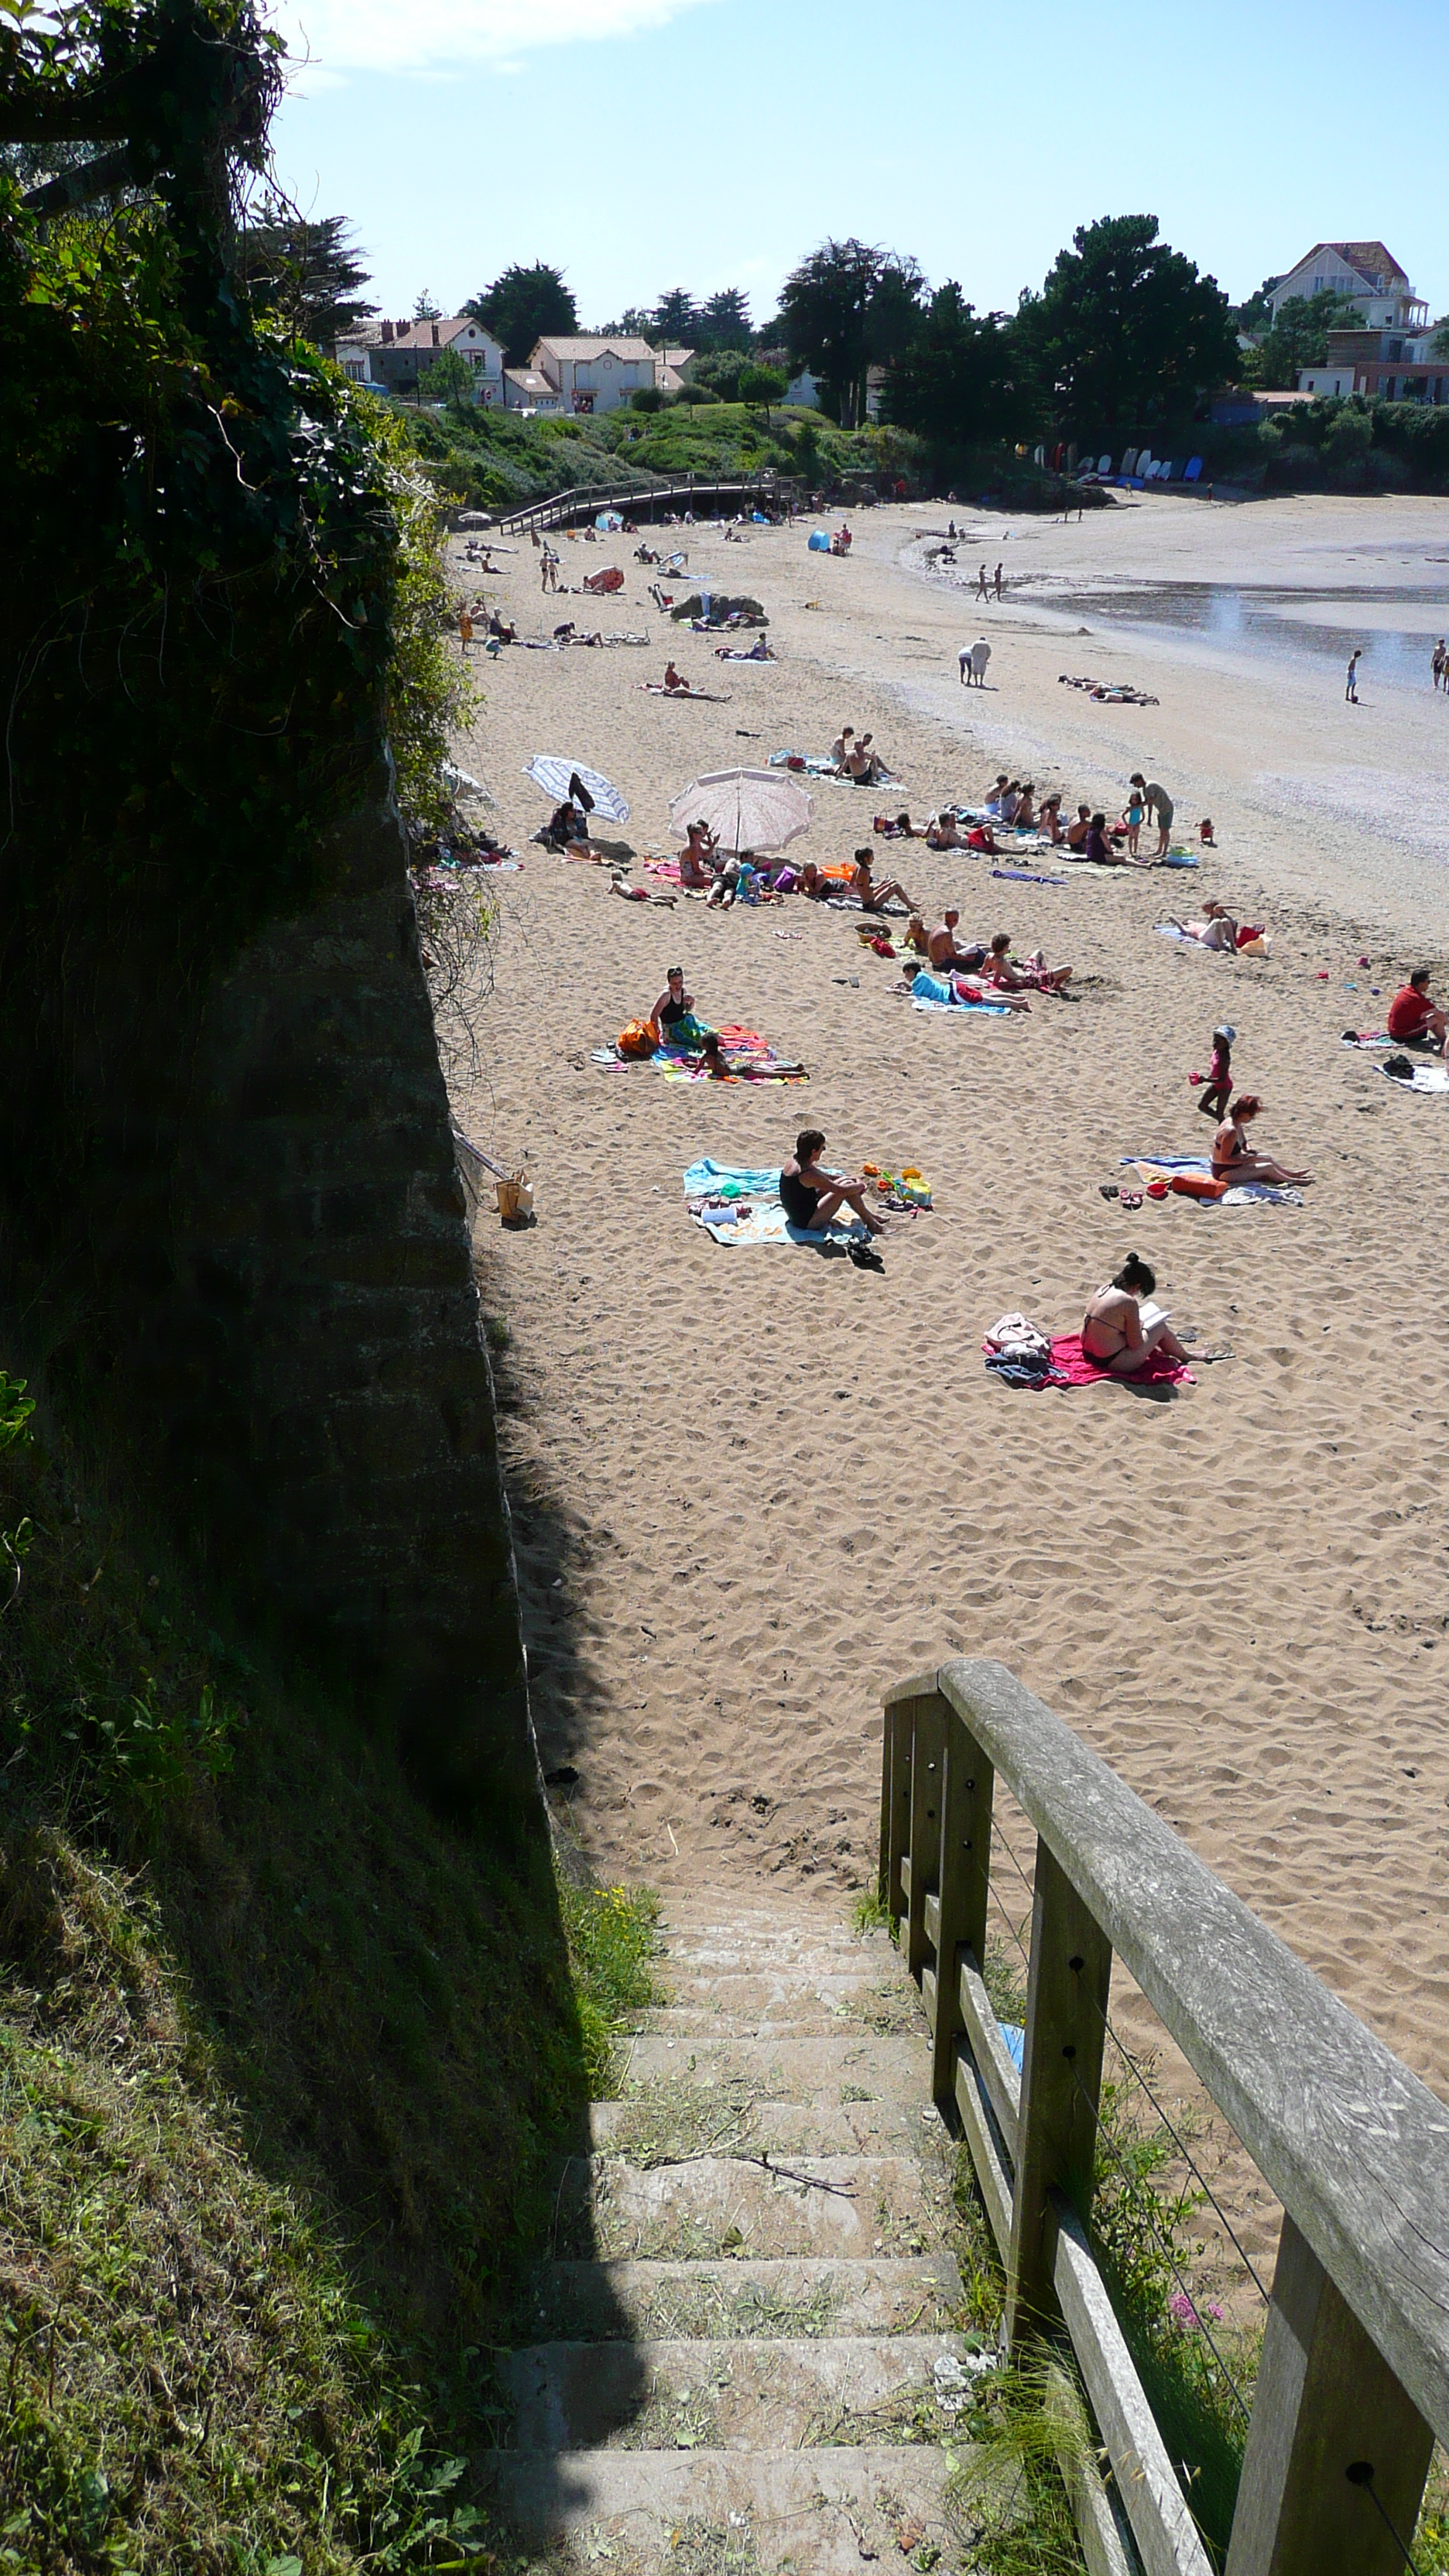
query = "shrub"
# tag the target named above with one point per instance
(648, 398)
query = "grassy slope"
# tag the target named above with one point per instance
(493, 460)
(284, 2061)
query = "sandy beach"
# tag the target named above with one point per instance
(752, 1486)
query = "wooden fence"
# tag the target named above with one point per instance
(641, 501)
(1354, 2378)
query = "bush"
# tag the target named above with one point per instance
(693, 395)
(648, 398)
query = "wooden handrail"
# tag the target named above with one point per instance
(1356, 2359)
(585, 500)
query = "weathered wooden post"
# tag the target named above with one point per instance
(928, 1757)
(1068, 1981)
(895, 1804)
(964, 1891)
(1337, 2450)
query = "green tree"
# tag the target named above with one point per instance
(524, 306)
(761, 386)
(1299, 338)
(1256, 314)
(446, 378)
(425, 310)
(959, 381)
(1125, 328)
(720, 370)
(307, 274)
(723, 321)
(634, 323)
(847, 307)
(674, 322)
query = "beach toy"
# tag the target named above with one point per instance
(1322, 975)
(819, 542)
(1157, 1189)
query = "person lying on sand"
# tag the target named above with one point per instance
(811, 1196)
(873, 897)
(723, 1068)
(1113, 1333)
(1233, 1157)
(1034, 977)
(943, 952)
(899, 828)
(619, 884)
(1217, 928)
(974, 987)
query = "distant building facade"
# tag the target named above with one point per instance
(589, 374)
(395, 356)
(1384, 366)
(1366, 271)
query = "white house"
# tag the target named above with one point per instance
(1366, 271)
(524, 389)
(589, 374)
(399, 357)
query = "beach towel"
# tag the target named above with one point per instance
(611, 579)
(737, 1207)
(1071, 1367)
(701, 697)
(1023, 876)
(1420, 1077)
(1368, 1038)
(933, 993)
(1164, 1167)
(753, 1060)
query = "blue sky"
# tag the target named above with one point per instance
(644, 144)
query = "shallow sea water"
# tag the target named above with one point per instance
(1395, 628)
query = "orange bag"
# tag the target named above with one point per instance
(1197, 1185)
(638, 1039)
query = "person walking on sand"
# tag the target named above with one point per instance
(998, 581)
(1159, 805)
(983, 587)
(1440, 666)
(465, 629)
(1217, 1091)
(1350, 693)
(811, 1196)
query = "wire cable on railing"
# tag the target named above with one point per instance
(1178, 2141)
(1361, 2475)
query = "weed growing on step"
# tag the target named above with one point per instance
(669, 2120)
(612, 1936)
(868, 1914)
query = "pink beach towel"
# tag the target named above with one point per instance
(1071, 1362)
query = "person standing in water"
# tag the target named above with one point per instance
(1350, 694)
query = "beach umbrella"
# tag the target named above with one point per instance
(552, 773)
(746, 809)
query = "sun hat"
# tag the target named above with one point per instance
(1226, 1031)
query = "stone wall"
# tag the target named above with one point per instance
(263, 1248)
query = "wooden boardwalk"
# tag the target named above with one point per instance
(641, 501)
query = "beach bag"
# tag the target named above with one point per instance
(515, 1198)
(1197, 1185)
(637, 1041)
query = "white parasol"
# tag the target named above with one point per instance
(552, 773)
(746, 809)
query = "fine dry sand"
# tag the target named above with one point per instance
(751, 1488)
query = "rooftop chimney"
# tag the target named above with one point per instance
(386, 333)
(435, 335)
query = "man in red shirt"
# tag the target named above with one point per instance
(1413, 1017)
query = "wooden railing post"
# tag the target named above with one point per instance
(928, 1762)
(964, 1891)
(1066, 2006)
(1337, 2451)
(895, 1805)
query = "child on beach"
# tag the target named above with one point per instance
(1217, 1090)
(1132, 820)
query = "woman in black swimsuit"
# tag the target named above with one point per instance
(811, 1196)
(673, 1005)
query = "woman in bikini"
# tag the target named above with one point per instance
(696, 862)
(873, 897)
(1114, 1336)
(1233, 1157)
(672, 1008)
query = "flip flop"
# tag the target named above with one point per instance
(865, 1257)
(1109, 1189)
(1130, 1199)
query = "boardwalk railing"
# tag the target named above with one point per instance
(645, 500)
(1354, 2378)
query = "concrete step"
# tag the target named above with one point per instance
(882, 2295)
(773, 1990)
(732, 2396)
(824, 2071)
(654, 2121)
(797, 2020)
(815, 2513)
(845, 2206)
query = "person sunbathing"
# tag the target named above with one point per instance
(673, 1010)
(917, 938)
(975, 988)
(1034, 977)
(568, 829)
(697, 859)
(1100, 850)
(818, 887)
(863, 764)
(672, 680)
(1217, 928)
(1233, 1157)
(841, 748)
(1025, 816)
(899, 828)
(873, 897)
(1050, 821)
(811, 1196)
(943, 952)
(1077, 832)
(619, 884)
(1114, 1336)
(1414, 1018)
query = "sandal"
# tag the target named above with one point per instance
(1109, 1189)
(1130, 1199)
(865, 1257)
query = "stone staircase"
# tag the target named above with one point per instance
(745, 2355)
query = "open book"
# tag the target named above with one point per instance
(1152, 1314)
